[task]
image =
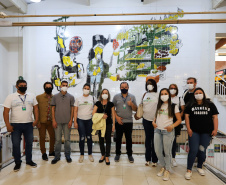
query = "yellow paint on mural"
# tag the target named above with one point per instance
(98, 50)
(57, 82)
(60, 41)
(115, 53)
(67, 61)
(113, 78)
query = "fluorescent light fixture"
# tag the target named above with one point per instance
(35, 1)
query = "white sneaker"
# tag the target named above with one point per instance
(147, 163)
(201, 171)
(174, 162)
(188, 175)
(161, 172)
(166, 176)
(81, 158)
(91, 158)
(153, 164)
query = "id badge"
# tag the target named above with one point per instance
(23, 108)
(124, 106)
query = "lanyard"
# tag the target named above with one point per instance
(22, 99)
(124, 99)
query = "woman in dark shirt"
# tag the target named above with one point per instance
(106, 107)
(201, 118)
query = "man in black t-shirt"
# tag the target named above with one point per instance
(188, 93)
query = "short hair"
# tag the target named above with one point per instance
(86, 84)
(192, 78)
(47, 83)
(153, 82)
(176, 88)
(124, 83)
(109, 96)
(20, 81)
(64, 81)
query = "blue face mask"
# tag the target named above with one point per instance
(124, 91)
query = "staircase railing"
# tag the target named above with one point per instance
(220, 87)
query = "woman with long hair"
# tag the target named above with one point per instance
(149, 101)
(181, 105)
(104, 105)
(164, 131)
(201, 118)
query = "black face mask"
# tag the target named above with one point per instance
(22, 89)
(48, 90)
(124, 91)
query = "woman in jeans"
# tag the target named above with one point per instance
(201, 118)
(149, 100)
(83, 121)
(180, 103)
(164, 131)
(105, 106)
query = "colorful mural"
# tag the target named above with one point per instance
(142, 51)
(69, 69)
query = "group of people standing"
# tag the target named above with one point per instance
(162, 116)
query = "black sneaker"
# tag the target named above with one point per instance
(32, 164)
(131, 160)
(117, 157)
(54, 161)
(17, 167)
(68, 159)
(44, 157)
(52, 154)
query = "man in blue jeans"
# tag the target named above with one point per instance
(62, 116)
(22, 105)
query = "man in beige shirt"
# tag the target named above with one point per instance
(45, 122)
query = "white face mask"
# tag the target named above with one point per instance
(198, 96)
(164, 97)
(85, 91)
(64, 89)
(150, 87)
(105, 96)
(172, 91)
(190, 86)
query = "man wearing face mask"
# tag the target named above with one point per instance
(22, 105)
(189, 93)
(62, 116)
(124, 103)
(45, 120)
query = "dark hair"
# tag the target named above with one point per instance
(160, 102)
(109, 96)
(20, 81)
(64, 81)
(153, 82)
(86, 84)
(176, 88)
(204, 100)
(124, 83)
(192, 78)
(47, 83)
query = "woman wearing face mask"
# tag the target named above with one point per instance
(164, 131)
(180, 103)
(149, 100)
(105, 106)
(83, 120)
(201, 118)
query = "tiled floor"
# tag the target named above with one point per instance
(121, 173)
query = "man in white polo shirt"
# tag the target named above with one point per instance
(21, 122)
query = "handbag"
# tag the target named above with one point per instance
(140, 111)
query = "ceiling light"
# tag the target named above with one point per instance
(35, 1)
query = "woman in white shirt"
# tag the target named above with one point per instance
(149, 100)
(83, 121)
(180, 103)
(164, 131)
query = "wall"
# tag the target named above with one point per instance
(196, 56)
